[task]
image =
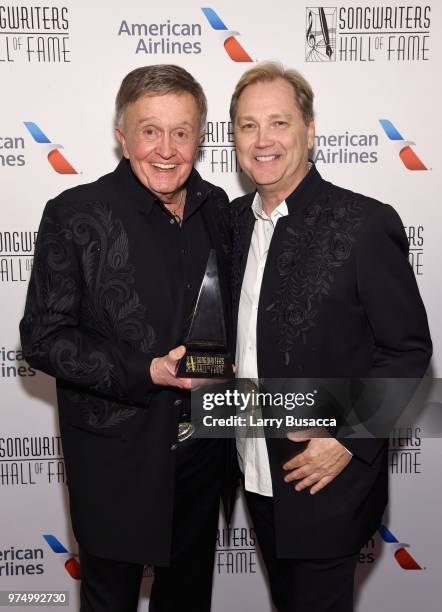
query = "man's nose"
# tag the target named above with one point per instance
(263, 137)
(165, 146)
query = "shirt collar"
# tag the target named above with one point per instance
(285, 206)
(133, 191)
(280, 211)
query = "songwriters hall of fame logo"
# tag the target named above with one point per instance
(368, 33)
(320, 38)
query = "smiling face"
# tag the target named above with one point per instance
(160, 136)
(272, 140)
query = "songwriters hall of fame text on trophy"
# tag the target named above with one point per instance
(207, 353)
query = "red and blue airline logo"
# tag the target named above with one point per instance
(400, 552)
(68, 559)
(409, 158)
(58, 161)
(234, 50)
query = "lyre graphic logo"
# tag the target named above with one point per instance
(58, 161)
(190, 364)
(399, 549)
(320, 34)
(69, 560)
(235, 51)
(409, 158)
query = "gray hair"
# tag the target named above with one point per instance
(159, 79)
(271, 71)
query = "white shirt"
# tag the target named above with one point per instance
(252, 452)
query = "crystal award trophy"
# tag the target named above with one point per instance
(207, 353)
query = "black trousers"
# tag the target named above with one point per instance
(186, 585)
(301, 585)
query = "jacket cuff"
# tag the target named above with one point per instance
(139, 387)
(366, 449)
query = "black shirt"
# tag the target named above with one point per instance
(184, 250)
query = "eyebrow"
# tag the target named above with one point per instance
(153, 118)
(272, 116)
(278, 115)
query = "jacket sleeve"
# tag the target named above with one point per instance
(56, 340)
(389, 294)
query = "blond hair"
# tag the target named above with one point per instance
(271, 71)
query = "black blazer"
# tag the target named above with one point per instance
(98, 310)
(338, 300)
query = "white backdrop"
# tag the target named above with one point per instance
(60, 67)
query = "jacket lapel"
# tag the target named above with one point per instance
(243, 225)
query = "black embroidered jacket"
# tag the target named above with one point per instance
(99, 308)
(338, 300)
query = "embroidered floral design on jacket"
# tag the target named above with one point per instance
(87, 283)
(114, 308)
(309, 257)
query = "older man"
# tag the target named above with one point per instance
(322, 288)
(118, 265)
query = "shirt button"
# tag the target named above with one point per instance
(174, 447)
(172, 221)
(189, 286)
(177, 402)
(199, 194)
(183, 252)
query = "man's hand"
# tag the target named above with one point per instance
(162, 369)
(318, 464)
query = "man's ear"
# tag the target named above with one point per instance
(122, 140)
(311, 135)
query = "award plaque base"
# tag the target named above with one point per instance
(203, 364)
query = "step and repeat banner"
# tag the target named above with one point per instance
(375, 68)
